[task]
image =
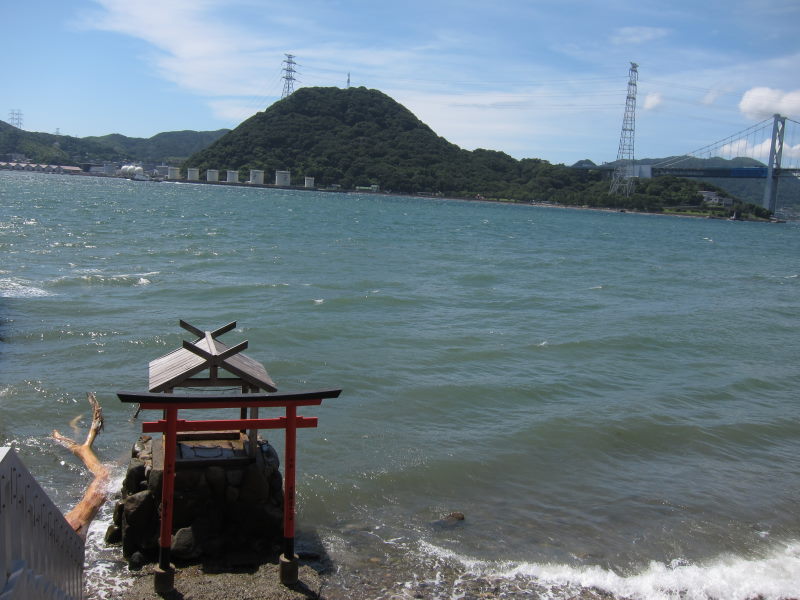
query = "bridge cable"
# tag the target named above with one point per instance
(736, 136)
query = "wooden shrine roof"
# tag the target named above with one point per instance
(179, 367)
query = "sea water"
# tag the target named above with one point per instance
(610, 399)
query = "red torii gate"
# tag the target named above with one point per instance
(215, 355)
(170, 426)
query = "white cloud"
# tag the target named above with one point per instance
(193, 47)
(792, 153)
(759, 151)
(714, 94)
(746, 147)
(521, 124)
(652, 100)
(227, 53)
(638, 35)
(233, 110)
(763, 102)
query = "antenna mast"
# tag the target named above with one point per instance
(623, 175)
(288, 75)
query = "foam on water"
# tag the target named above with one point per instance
(407, 568)
(97, 277)
(105, 572)
(20, 288)
(729, 577)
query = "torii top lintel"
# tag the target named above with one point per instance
(179, 367)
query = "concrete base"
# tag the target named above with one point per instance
(289, 570)
(164, 580)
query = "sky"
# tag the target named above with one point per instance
(533, 78)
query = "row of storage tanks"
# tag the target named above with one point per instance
(131, 170)
(283, 178)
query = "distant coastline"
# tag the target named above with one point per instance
(75, 171)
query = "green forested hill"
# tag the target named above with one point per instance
(162, 146)
(358, 137)
(340, 136)
(52, 149)
(67, 150)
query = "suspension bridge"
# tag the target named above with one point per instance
(768, 150)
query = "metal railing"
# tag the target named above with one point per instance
(41, 557)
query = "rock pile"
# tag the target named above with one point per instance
(221, 507)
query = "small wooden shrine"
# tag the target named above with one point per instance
(184, 367)
(207, 363)
(180, 367)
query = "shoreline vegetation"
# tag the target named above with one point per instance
(745, 211)
(739, 212)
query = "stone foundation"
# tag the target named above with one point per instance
(225, 502)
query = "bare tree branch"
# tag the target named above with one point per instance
(80, 517)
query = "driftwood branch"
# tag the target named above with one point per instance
(80, 517)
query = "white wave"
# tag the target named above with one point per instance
(17, 288)
(732, 577)
(104, 569)
(96, 276)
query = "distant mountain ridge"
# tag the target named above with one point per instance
(749, 190)
(689, 162)
(49, 148)
(162, 146)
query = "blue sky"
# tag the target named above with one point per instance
(536, 78)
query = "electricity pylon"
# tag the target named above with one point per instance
(288, 75)
(623, 180)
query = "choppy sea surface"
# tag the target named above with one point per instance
(612, 400)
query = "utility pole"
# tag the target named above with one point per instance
(15, 118)
(288, 75)
(623, 180)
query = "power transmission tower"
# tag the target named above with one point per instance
(623, 174)
(15, 118)
(288, 75)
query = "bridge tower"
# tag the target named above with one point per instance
(775, 153)
(623, 175)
